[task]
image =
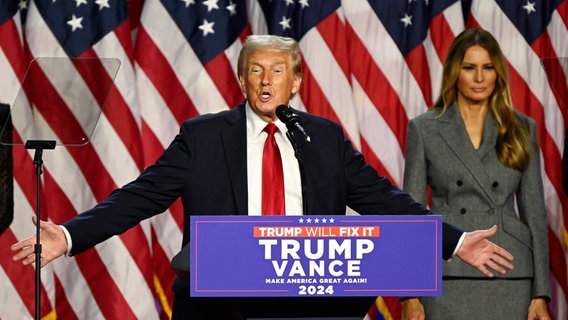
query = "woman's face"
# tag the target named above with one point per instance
(477, 77)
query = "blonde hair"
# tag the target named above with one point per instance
(514, 140)
(283, 44)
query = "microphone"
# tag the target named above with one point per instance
(292, 120)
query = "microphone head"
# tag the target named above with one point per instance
(293, 123)
(286, 115)
(281, 112)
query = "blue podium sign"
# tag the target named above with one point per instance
(278, 256)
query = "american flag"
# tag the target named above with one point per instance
(370, 65)
(527, 32)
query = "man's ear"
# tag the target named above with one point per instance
(297, 84)
(242, 82)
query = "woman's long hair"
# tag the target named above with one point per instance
(514, 140)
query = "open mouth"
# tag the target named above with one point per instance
(265, 96)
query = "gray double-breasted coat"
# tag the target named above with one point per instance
(472, 190)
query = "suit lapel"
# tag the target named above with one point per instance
(234, 144)
(489, 139)
(454, 133)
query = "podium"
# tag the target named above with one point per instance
(311, 267)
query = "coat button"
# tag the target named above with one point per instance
(495, 184)
(463, 211)
(459, 183)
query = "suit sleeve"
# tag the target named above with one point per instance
(415, 171)
(532, 211)
(149, 194)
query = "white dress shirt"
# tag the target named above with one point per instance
(292, 179)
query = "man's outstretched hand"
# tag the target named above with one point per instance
(53, 241)
(483, 254)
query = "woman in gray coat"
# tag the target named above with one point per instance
(480, 159)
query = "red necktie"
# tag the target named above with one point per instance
(272, 175)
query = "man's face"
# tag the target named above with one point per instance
(269, 81)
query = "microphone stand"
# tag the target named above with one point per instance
(39, 146)
(297, 149)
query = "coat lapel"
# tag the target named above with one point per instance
(455, 135)
(234, 144)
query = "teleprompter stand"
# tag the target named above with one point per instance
(38, 146)
(59, 104)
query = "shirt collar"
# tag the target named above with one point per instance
(255, 124)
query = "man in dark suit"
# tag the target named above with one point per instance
(214, 163)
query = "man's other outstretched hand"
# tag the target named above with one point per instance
(53, 242)
(483, 254)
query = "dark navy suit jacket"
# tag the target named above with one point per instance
(206, 166)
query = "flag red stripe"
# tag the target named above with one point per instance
(440, 32)
(11, 46)
(223, 76)
(418, 65)
(332, 30)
